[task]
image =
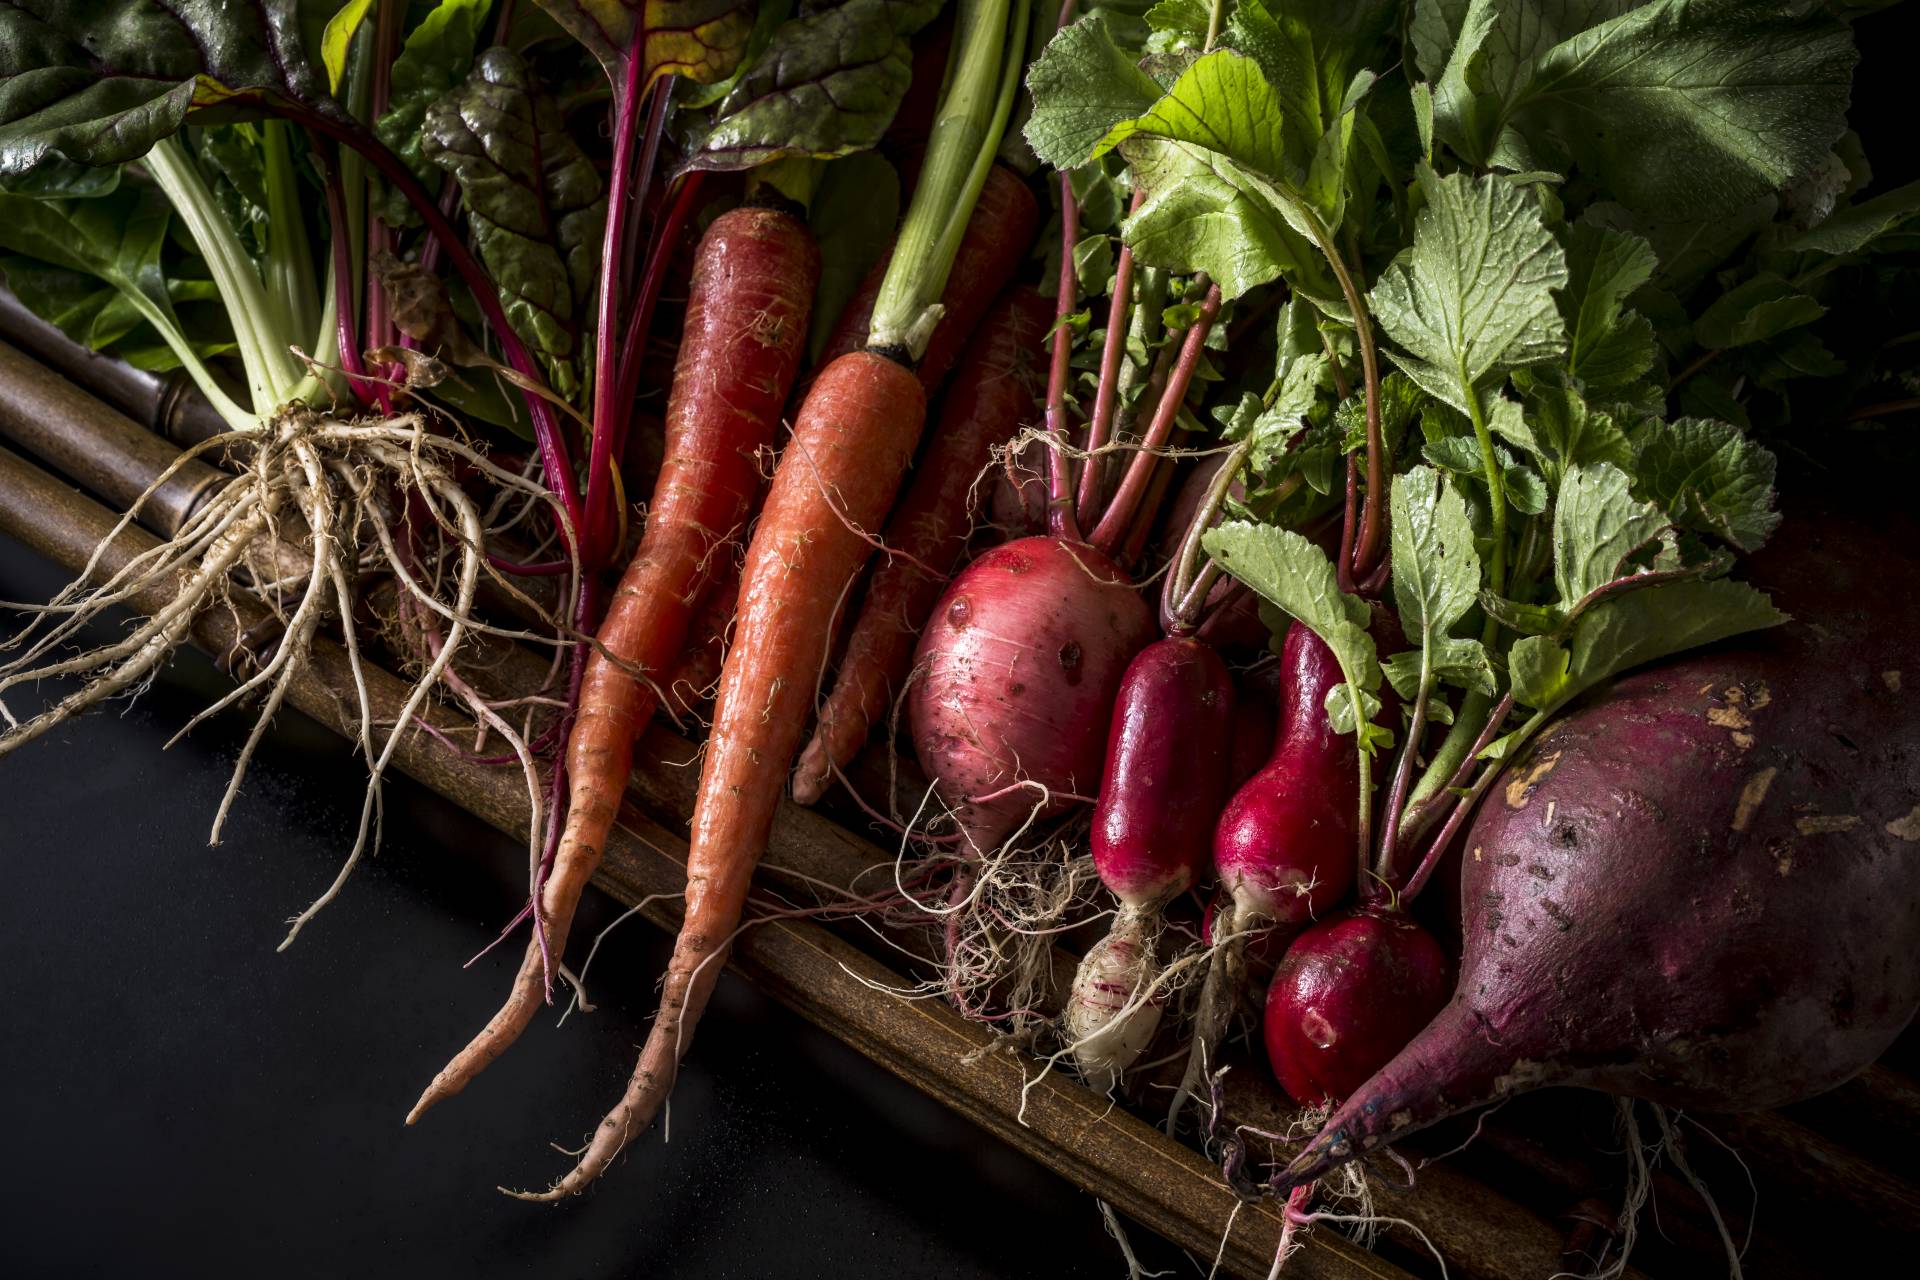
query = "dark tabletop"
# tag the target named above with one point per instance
(176, 1098)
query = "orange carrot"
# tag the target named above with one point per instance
(855, 434)
(691, 681)
(746, 326)
(993, 393)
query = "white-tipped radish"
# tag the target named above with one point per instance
(1166, 775)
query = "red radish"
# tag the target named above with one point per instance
(1349, 994)
(1020, 667)
(1284, 845)
(1165, 775)
(1701, 887)
(993, 393)
(746, 327)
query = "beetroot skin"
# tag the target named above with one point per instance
(1702, 887)
(1016, 676)
(1349, 994)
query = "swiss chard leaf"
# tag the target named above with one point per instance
(435, 58)
(77, 88)
(534, 199)
(638, 41)
(827, 84)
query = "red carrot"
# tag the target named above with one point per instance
(992, 394)
(853, 440)
(746, 327)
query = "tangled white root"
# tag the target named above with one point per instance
(316, 507)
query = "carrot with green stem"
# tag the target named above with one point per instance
(993, 392)
(852, 440)
(746, 326)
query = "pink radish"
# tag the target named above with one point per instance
(1015, 677)
(1349, 994)
(1165, 776)
(1284, 845)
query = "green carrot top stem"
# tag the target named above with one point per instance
(974, 105)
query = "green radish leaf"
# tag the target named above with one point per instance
(433, 61)
(1598, 527)
(1083, 86)
(1566, 432)
(1222, 103)
(75, 87)
(534, 200)
(1271, 430)
(1291, 573)
(1758, 90)
(1205, 213)
(1350, 710)
(1710, 478)
(1538, 667)
(1436, 581)
(1527, 619)
(1526, 491)
(1607, 345)
(1858, 227)
(1311, 52)
(1177, 25)
(1474, 294)
(1763, 307)
(827, 84)
(1630, 630)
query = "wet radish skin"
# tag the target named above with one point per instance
(1015, 680)
(1284, 846)
(1349, 994)
(1166, 774)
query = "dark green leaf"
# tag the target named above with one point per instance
(1710, 478)
(1762, 308)
(1858, 226)
(1608, 345)
(435, 58)
(534, 200)
(92, 87)
(639, 41)
(827, 84)
(1083, 86)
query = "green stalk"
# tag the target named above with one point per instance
(982, 79)
(165, 324)
(289, 265)
(271, 371)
